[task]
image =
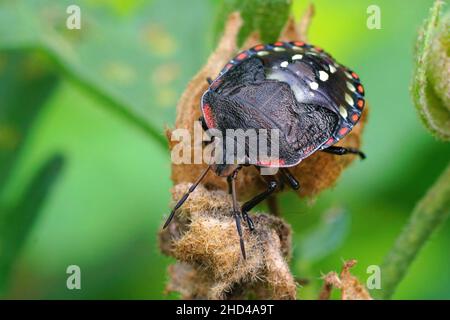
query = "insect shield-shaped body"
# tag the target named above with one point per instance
(291, 88)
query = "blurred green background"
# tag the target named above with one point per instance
(84, 167)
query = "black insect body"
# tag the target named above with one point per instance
(291, 86)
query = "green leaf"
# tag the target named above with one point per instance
(430, 86)
(136, 57)
(264, 16)
(25, 84)
(17, 222)
(325, 238)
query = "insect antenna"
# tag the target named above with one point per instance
(185, 196)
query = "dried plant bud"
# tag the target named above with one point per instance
(349, 285)
(430, 87)
(315, 173)
(204, 240)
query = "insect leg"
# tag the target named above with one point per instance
(290, 178)
(185, 196)
(209, 80)
(246, 207)
(272, 203)
(342, 150)
(237, 218)
(230, 190)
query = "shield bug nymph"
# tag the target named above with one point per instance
(293, 87)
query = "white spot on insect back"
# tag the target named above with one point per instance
(350, 87)
(279, 49)
(332, 69)
(275, 76)
(348, 75)
(343, 112)
(300, 92)
(349, 99)
(323, 75)
(312, 53)
(262, 53)
(314, 85)
(284, 64)
(297, 57)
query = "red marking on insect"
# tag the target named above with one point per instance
(329, 141)
(360, 103)
(278, 44)
(354, 75)
(308, 149)
(259, 47)
(318, 49)
(360, 89)
(215, 84)
(228, 66)
(299, 43)
(355, 117)
(242, 56)
(209, 118)
(271, 163)
(343, 131)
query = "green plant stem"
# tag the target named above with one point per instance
(428, 214)
(267, 17)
